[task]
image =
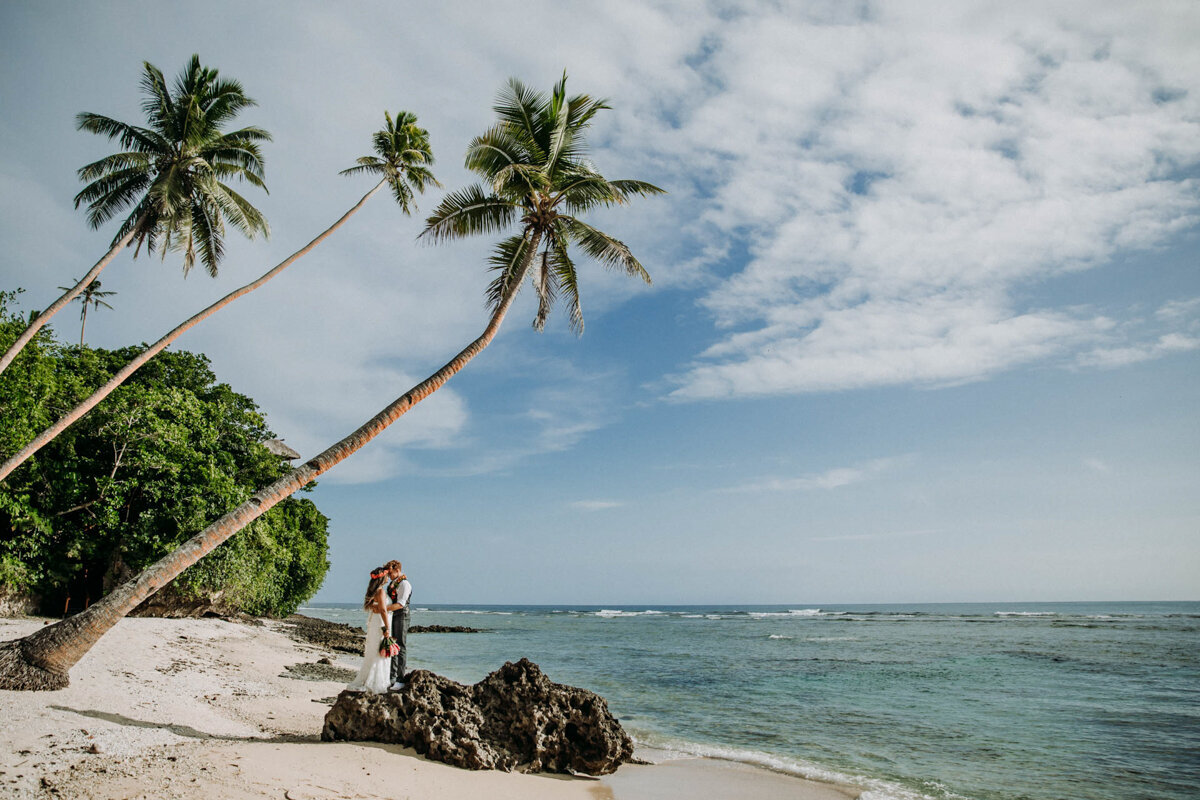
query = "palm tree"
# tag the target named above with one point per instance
(171, 175)
(402, 161)
(547, 139)
(91, 295)
(534, 162)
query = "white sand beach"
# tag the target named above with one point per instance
(204, 708)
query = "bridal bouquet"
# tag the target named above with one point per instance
(388, 646)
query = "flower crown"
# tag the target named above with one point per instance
(380, 574)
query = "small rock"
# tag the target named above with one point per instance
(94, 748)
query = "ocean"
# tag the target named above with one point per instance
(992, 701)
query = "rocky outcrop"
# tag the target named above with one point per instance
(171, 604)
(443, 629)
(324, 634)
(17, 604)
(515, 720)
(347, 638)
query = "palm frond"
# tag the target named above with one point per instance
(159, 106)
(420, 177)
(583, 108)
(402, 194)
(143, 208)
(518, 105)
(466, 212)
(559, 124)
(493, 151)
(508, 258)
(225, 171)
(105, 185)
(130, 136)
(369, 164)
(110, 195)
(610, 252)
(545, 284)
(587, 190)
(111, 164)
(629, 188)
(207, 228)
(567, 279)
(238, 210)
(225, 100)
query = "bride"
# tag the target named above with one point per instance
(375, 673)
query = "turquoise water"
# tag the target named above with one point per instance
(1094, 701)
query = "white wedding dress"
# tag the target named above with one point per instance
(375, 675)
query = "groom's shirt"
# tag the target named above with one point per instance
(400, 591)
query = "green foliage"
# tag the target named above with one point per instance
(165, 455)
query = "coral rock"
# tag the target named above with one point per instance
(515, 719)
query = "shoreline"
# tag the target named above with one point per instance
(196, 708)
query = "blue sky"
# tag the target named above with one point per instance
(925, 323)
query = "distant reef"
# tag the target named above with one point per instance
(348, 638)
(443, 629)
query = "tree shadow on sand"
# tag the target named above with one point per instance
(184, 730)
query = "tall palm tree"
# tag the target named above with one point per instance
(402, 160)
(551, 135)
(171, 176)
(90, 296)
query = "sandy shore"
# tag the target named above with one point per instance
(208, 708)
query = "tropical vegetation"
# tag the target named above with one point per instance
(170, 450)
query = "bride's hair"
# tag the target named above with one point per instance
(379, 577)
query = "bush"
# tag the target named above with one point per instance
(159, 459)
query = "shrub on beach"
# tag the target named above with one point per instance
(166, 453)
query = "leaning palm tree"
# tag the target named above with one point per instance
(402, 160)
(171, 176)
(90, 296)
(542, 139)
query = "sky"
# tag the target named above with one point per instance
(924, 326)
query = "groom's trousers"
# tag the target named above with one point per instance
(400, 634)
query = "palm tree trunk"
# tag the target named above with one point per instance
(42, 659)
(48, 435)
(41, 319)
(82, 325)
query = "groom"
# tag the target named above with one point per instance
(399, 592)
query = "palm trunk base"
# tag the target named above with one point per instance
(18, 674)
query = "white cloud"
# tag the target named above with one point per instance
(1180, 310)
(596, 505)
(1109, 358)
(903, 181)
(865, 537)
(830, 479)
